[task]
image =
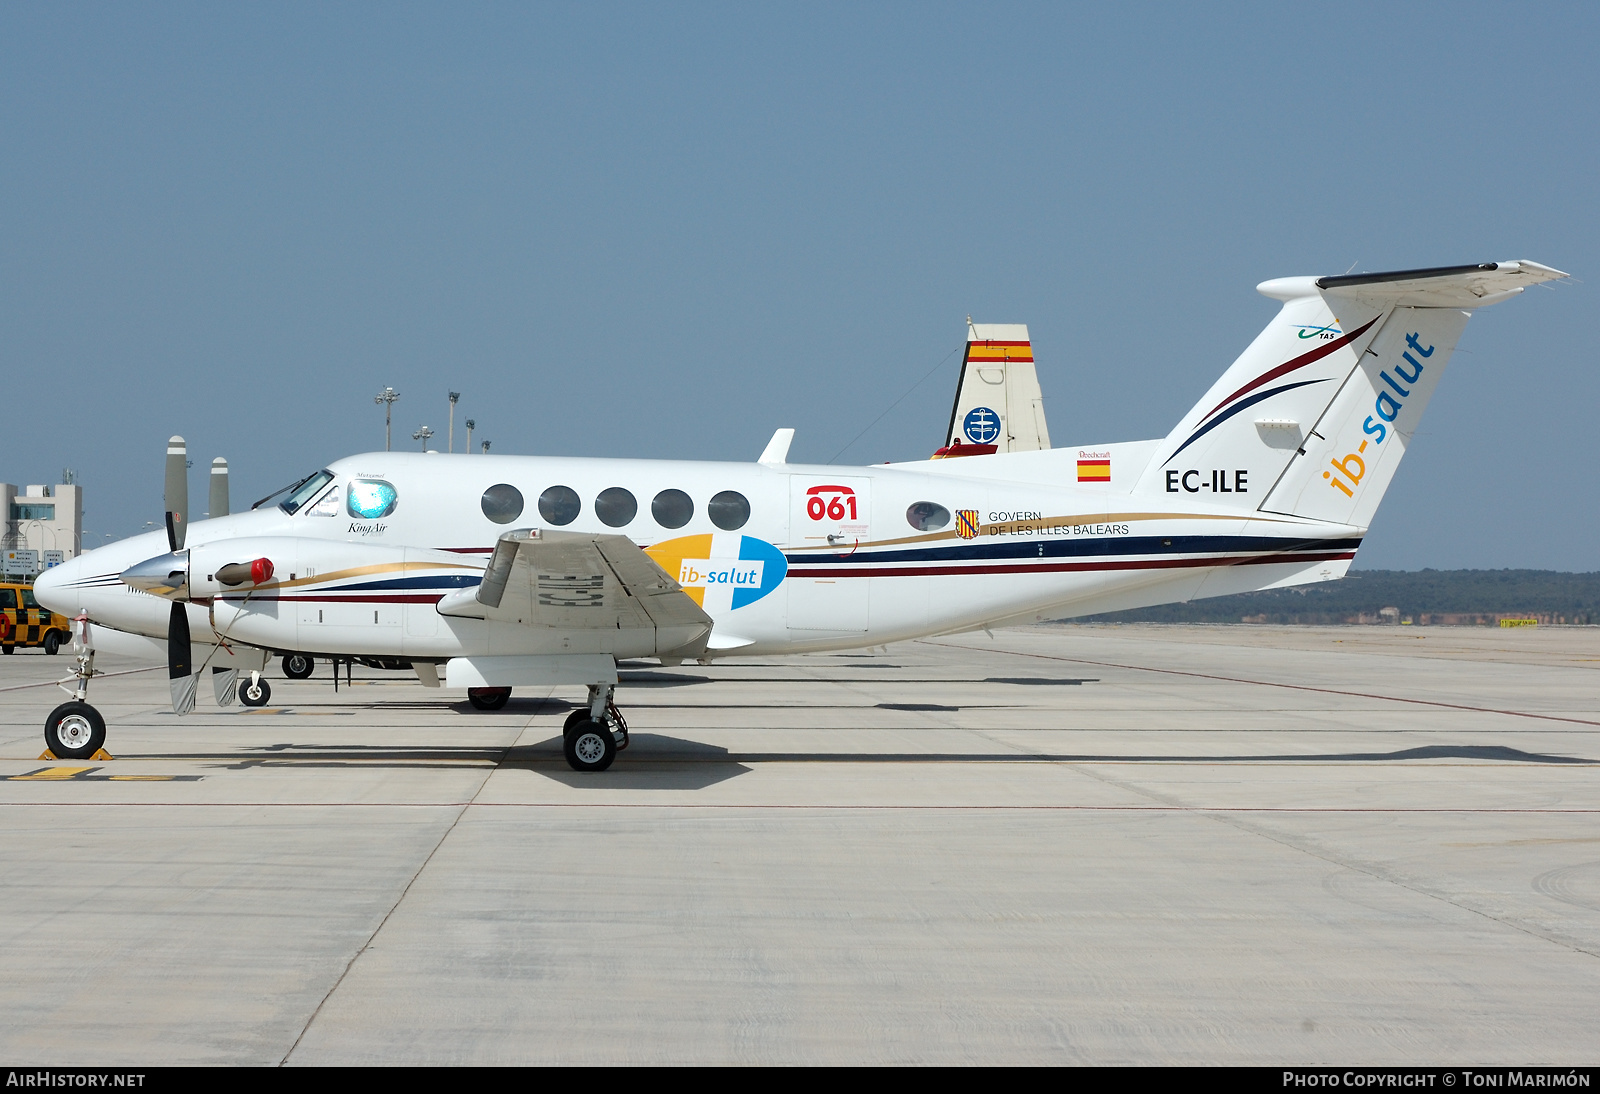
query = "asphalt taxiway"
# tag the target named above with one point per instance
(1065, 844)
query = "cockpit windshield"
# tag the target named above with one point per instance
(300, 491)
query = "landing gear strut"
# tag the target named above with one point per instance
(593, 735)
(75, 730)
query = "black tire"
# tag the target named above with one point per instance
(298, 666)
(488, 698)
(8, 650)
(74, 731)
(579, 715)
(52, 643)
(256, 694)
(589, 747)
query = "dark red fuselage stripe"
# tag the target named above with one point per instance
(1070, 567)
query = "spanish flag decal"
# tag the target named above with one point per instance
(993, 350)
(1094, 470)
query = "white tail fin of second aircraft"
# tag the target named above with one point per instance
(1313, 417)
(998, 406)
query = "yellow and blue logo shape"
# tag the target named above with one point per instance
(722, 571)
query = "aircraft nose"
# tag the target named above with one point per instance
(57, 590)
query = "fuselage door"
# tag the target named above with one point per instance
(833, 511)
(829, 518)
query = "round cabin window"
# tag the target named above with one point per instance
(672, 508)
(729, 510)
(502, 503)
(559, 505)
(616, 507)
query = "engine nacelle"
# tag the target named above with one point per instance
(238, 574)
(323, 596)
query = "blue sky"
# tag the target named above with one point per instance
(666, 231)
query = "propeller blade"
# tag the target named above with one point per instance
(180, 667)
(177, 492)
(219, 488)
(183, 695)
(225, 685)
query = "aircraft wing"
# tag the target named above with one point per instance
(571, 581)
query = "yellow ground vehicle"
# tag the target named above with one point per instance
(24, 623)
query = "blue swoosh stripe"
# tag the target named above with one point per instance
(1098, 546)
(1235, 408)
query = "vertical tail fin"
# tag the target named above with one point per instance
(1313, 417)
(998, 406)
(1348, 458)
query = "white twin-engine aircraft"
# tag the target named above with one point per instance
(511, 571)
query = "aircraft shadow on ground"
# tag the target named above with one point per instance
(652, 761)
(647, 679)
(657, 761)
(661, 751)
(657, 749)
(1040, 681)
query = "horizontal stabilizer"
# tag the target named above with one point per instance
(1435, 287)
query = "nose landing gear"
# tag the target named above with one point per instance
(75, 730)
(256, 692)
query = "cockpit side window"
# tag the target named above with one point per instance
(325, 506)
(300, 493)
(369, 499)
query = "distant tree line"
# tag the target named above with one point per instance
(1448, 597)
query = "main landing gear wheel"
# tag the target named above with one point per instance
(52, 643)
(488, 698)
(74, 731)
(589, 747)
(255, 693)
(297, 666)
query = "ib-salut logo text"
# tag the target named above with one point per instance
(722, 571)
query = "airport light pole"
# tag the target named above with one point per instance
(485, 448)
(422, 435)
(470, 425)
(386, 397)
(455, 396)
